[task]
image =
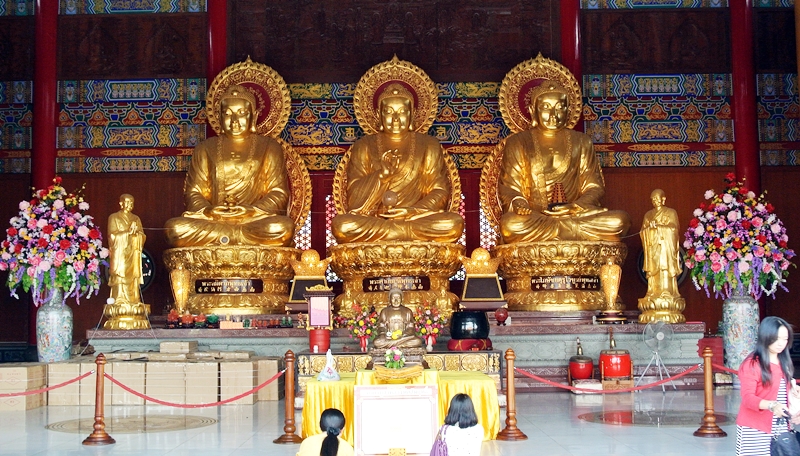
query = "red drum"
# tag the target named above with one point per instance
(319, 339)
(615, 363)
(580, 367)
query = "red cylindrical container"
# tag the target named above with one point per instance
(320, 338)
(615, 364)
(580, 367)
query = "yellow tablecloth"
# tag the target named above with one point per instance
(339, 394)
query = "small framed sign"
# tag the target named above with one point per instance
(319, 300)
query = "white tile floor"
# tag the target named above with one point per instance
(550, 421)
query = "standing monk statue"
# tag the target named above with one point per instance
(397, 181)
(396, 324)
(236, 191)
(662, 255)
(662, 262)
(550, 184)
(126, 241)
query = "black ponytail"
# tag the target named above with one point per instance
(332, 422)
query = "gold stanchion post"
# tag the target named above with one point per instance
(289, 437)
(99, 436)
(709, 427)
(511, 432)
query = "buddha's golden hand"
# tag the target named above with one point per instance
(572, 209)
(401, 213)
(521, 207)
(226, 212)
(390, 162)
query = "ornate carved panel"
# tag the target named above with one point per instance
(647, 41)
(452, 40)
(131, 46)
(16, 48)
(775, 44)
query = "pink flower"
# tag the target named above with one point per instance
(83, 231)
(767, 268)
(31, 224)
(721, 225)
(92, 266)
(79, 266)
(727, 198)
(3, 267)
(83, 205)
(784, 265)
(757, 222)
(31, 271)
(777, 256)
(58, 204)
(699, 230)
(744, 266)
(23, 205)
(758, 251)
(731, 255)
(716, 267)
(700, 255)
(45, 265)
(69, 221)
(709, 194)
(35, 261)
(776, 229)
(734, 216)
(714, 257)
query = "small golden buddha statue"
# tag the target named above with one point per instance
(236, 191)
(396, 324)
(535, 161)
(397, 183)
(126, 242)
(662, 263)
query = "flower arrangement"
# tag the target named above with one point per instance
(394, 358)
(736, 245)
(428, 321)
(363, 323)
(53, 244)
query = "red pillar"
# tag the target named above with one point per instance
(470, 183)
(216, 61)
(45, 105)
(745, 119)
(571, 41)
(45, 109)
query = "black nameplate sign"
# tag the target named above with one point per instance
(404, 283)
(214, 286)
(570, 282)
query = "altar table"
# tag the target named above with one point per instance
(339, 394)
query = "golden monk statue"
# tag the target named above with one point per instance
(397, 183)
(236, 191)
(662, 255)
(396, 324)
(550, 184)
(126, 241)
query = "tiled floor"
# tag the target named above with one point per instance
(550, 420)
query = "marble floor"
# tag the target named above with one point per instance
(555, 423)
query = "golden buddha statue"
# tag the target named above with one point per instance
(396, 325)
(246, 194)
(535, 160)
(397, 184)
(126, 241)
(397, 195)
(662, 263)
(541, 189)
(236, 191)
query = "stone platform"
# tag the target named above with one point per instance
(543, 342)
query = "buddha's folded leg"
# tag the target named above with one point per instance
(605, 226)
(528, 228)
(441, 227)
(190, 232)
(277, 230)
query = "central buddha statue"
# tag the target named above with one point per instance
(396, 324)
(550, 182)
(397, 184)
(236, 191)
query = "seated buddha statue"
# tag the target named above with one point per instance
(396, 325)
(236, 190)
(398, 187)
(550, 183)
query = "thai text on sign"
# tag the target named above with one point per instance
(209, 286)
(570, 282)
(404, 283)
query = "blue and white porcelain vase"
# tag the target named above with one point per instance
(740, 320)
(54, 329)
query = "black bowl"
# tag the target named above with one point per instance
(469, 325)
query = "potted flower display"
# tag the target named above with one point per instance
(362, 325)
(394, 358)
(428, 323)
(736, 246)
(54, 251)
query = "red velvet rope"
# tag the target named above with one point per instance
(725, 369)
(210, 404)
(28, 393)
(624, 390)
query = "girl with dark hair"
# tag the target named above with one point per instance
(461, 431)
(328, 443)
(766, 377)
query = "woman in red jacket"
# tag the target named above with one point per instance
(765, 376)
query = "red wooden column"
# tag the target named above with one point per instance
(571, 41)
(45, 108)
(217, 13)
(45, 102)
(470, 183)
(745, 119)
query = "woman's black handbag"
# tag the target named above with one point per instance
(785, 443)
